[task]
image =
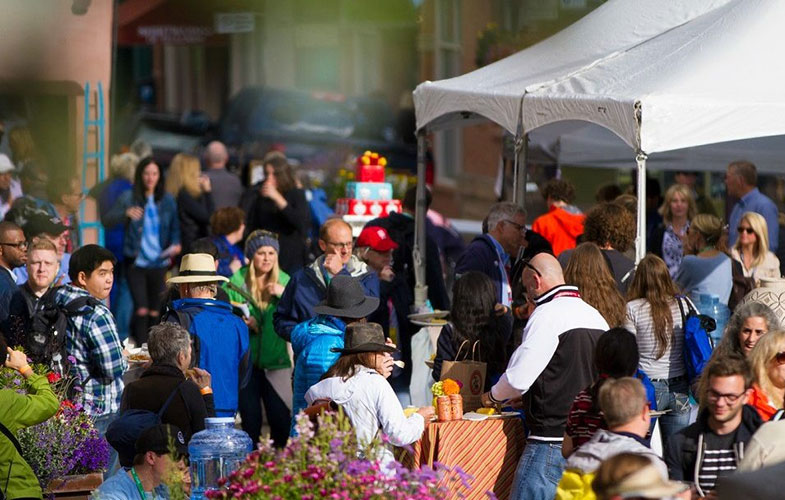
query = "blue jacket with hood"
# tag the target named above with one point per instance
(311, 343)
(222, 347)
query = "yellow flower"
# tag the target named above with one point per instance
(437, 389)
(383, 161)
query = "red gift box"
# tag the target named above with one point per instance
(377, 208)
(370, 173)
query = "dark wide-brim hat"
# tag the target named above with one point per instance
(346, 299)
(364, 337)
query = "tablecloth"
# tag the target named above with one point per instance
(488, 451)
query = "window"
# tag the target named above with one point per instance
(447, 144)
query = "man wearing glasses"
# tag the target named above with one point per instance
(308, 286)
(493, 253)
(713, 446)
(13, 253)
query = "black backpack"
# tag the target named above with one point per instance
(48, 325)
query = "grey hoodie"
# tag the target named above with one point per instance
(605, 444)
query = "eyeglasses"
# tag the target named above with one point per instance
(340, 245)
(780, 358)
(22, 245)
(526, 263)
(519, 227)
(747, 230)
(714, 396)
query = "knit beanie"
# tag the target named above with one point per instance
(260, 238)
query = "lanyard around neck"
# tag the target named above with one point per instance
(138, 484)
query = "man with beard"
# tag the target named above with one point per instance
(13, 248)
(714, 445)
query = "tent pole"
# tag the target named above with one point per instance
(640, 240)
(418, 254)
(519, 172)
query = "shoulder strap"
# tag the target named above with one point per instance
(74, 307)
(169, 399)
(247, 296)
(681, 310)
(11, 438)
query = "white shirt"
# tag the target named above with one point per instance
(540, 340)
(371, 404)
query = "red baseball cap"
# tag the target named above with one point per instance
(377, 238)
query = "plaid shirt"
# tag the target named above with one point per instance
(94, 342)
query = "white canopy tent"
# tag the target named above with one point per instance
(661, 75)
(585, 144)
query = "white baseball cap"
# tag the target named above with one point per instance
(5, 164)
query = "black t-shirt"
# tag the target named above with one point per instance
(719, 459)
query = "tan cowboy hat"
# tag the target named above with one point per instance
(197, 268)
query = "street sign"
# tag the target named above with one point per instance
(235, 22)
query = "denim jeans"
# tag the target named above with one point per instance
(539, 471)
(673, 395)
(121, 304)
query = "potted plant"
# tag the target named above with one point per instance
(66, 452)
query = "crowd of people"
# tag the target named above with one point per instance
(250, 305)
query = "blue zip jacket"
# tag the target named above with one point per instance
(169, 233)
(481, 256)
(223, 347)
(311, 343)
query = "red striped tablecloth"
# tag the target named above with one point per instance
(488, 450)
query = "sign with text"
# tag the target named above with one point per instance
(235, 22)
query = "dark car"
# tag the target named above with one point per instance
(169, 134)
(319, 130)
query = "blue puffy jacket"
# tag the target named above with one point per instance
(223, 347)
(311, 343)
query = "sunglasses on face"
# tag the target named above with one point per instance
(780, 358)
(526, 263)
(747, 230)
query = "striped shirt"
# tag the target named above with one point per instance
(584, 418)
(640, 322)
(719, 459)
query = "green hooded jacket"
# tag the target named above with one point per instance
(17, 411)
(268, 350)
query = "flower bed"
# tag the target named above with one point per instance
(330, 464)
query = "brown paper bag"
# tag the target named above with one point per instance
(468, 372)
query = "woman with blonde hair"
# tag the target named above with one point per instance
(768, 367)
(706, 268)
(257, 288)
(667, 241)
(654, 316)
(589, 270)
(194, 197)
(752, 248)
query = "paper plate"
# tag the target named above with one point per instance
(429, 315)
(432, 322)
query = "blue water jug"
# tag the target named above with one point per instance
(214, 453)
(710, 305)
